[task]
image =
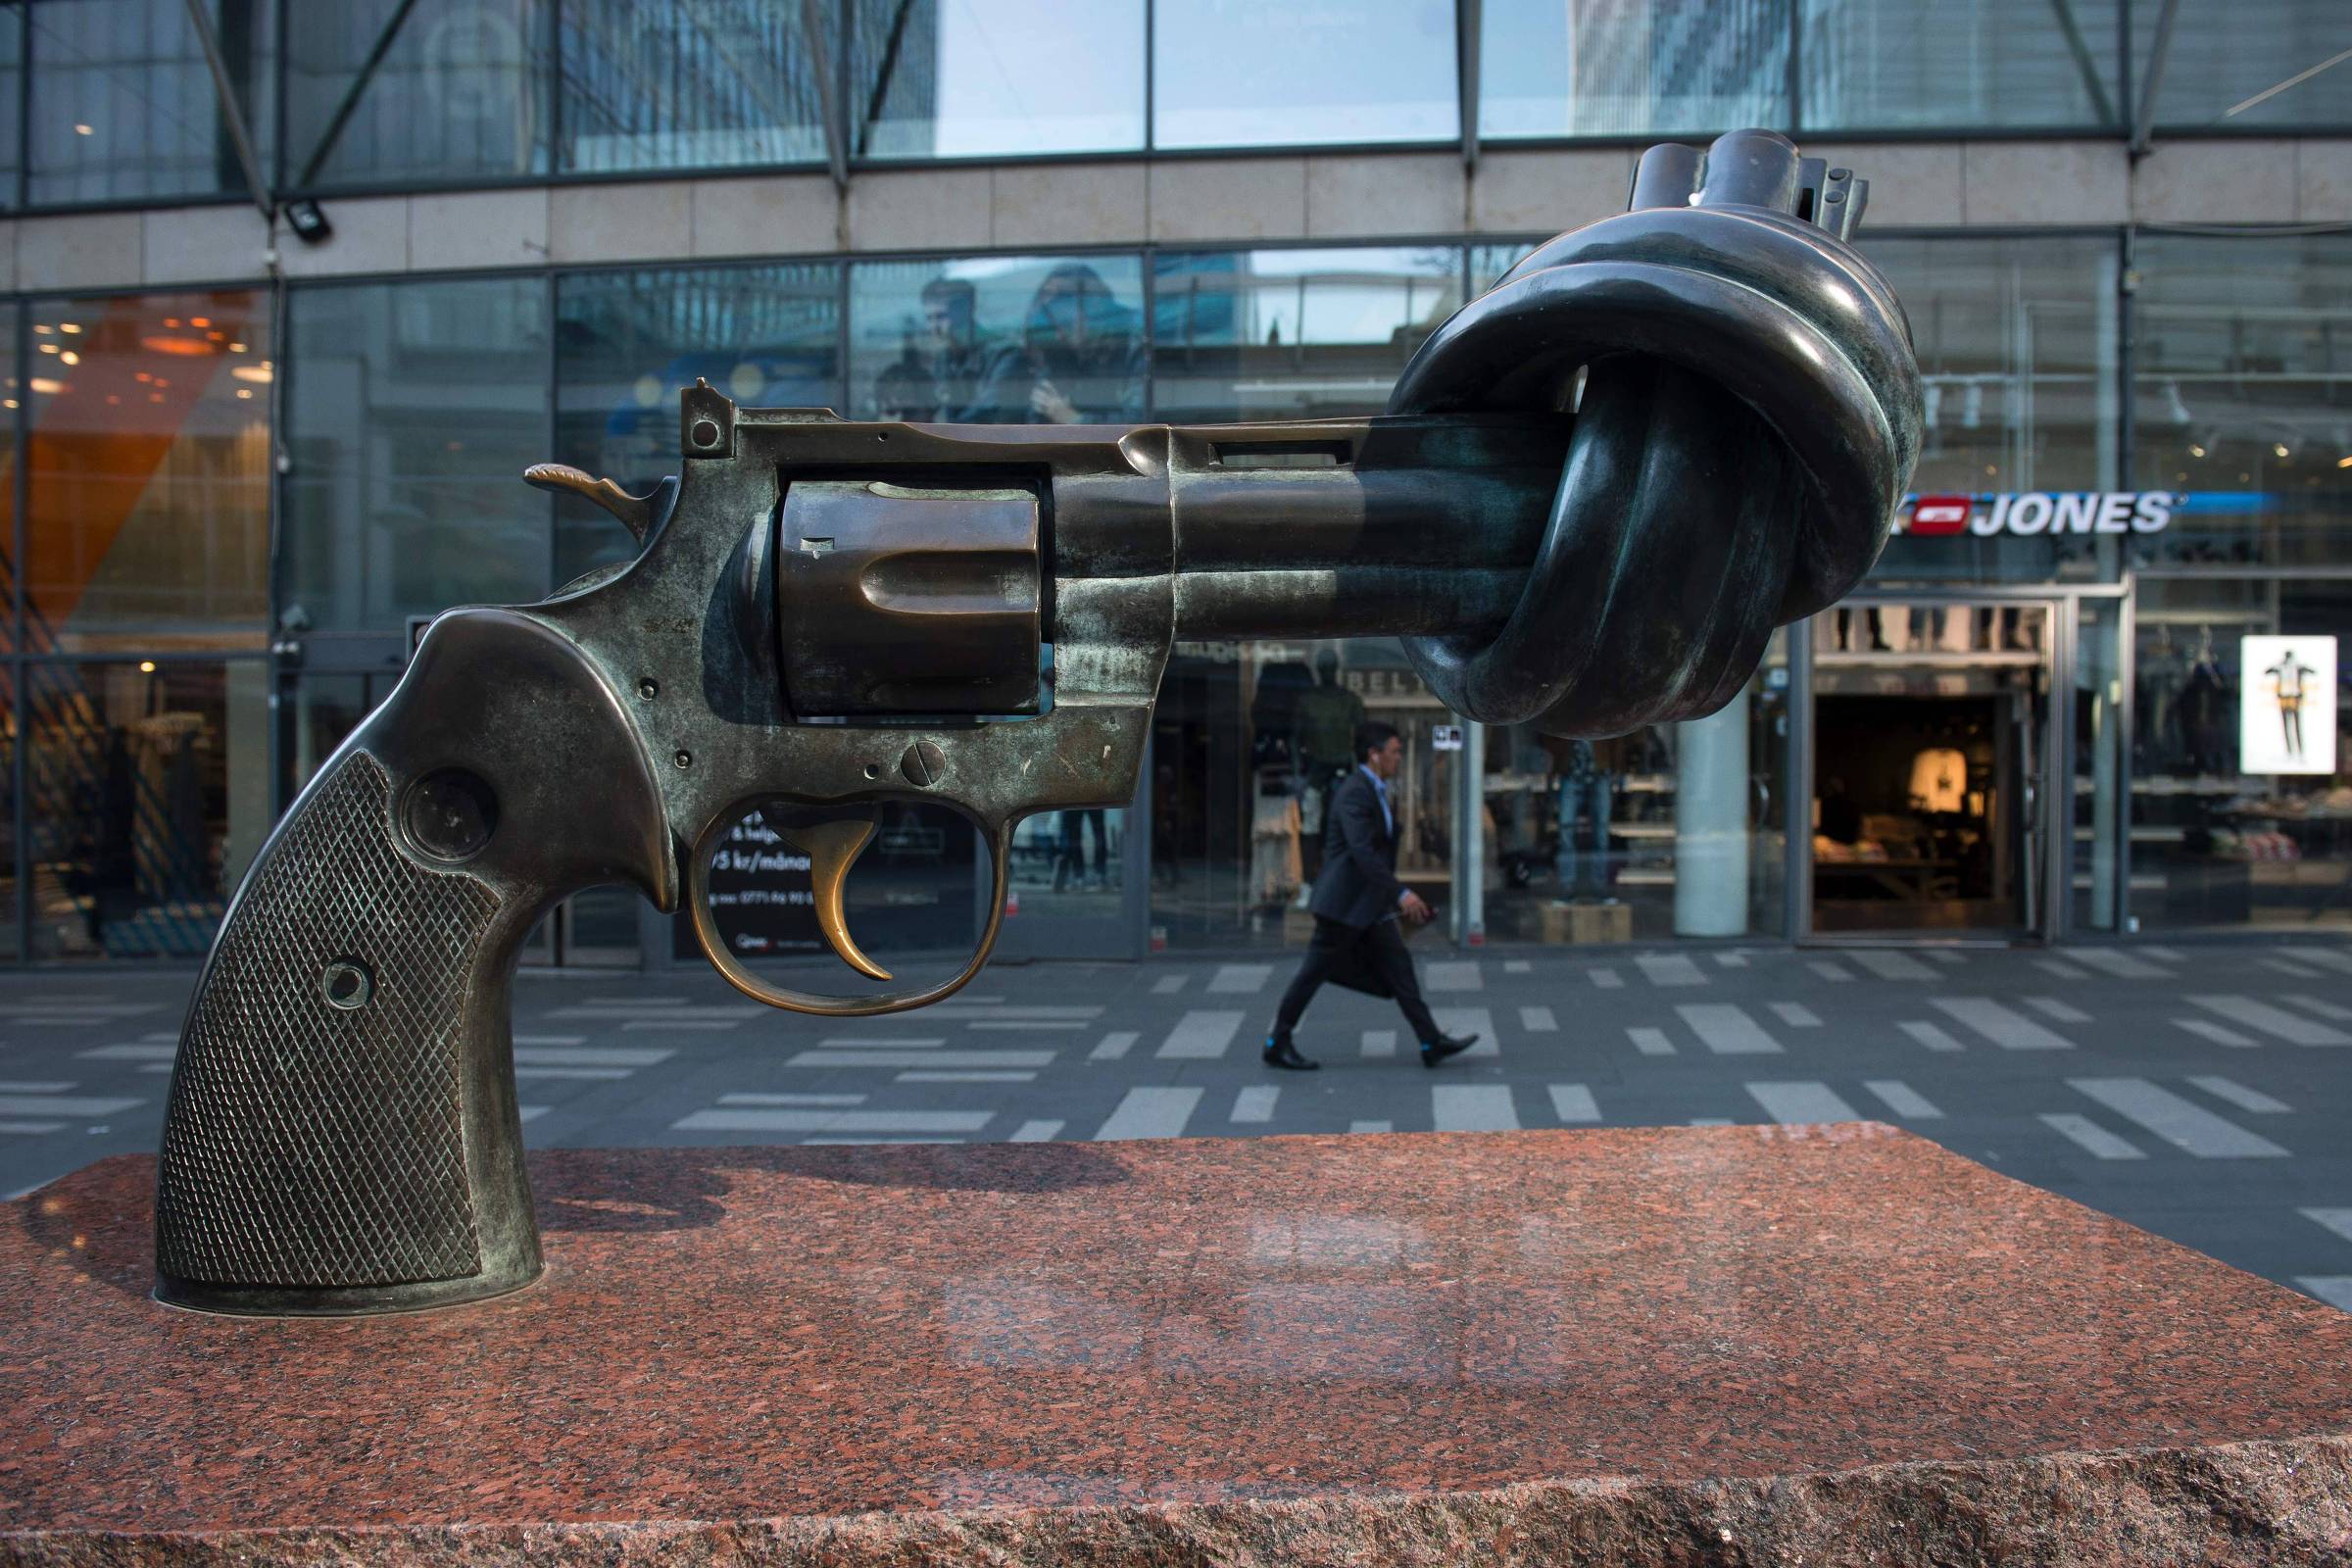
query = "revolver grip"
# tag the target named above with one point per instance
(342, 1133)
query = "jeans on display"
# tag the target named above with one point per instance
(1580, 798)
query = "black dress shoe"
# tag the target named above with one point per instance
(1282, 1053)
(1436, 1051)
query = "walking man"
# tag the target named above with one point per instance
(1357, 905)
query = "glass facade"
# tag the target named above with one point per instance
(1237, 74)
(394, 92)
(689, 87)
(970, 80)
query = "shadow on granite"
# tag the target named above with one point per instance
(1685, 1345)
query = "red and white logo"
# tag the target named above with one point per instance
(1940, 514)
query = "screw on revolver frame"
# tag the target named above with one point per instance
(648, 688)
(450, 814)
(347, 984)
(684, 758)
(706, 432)
(923, 763)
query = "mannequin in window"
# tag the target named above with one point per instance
(1588, 785)
(2287, 681)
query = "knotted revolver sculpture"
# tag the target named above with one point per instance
(1596, 489)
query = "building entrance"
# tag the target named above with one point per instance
(1935, 781)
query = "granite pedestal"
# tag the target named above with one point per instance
(1825, 1345)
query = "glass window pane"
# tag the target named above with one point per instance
(999, 340)
(124, 105)
(150, 467)
(1897, 63)
(690, 86)
(1293, 334)
(1632, 68)
(976, 79)
(2018, 343)
(628, 342)
(439, 90)
(2215, 843)
(12, 89)
(418, 407)
(147, 790)
(1242, 73)
(2242, 396)
(2264, 63)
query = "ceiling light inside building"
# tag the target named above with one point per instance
(46, 387)
(146, 666)
(2196, 451)
(71, 358)
(69, 327)
(85, 130)
(2278, 449)
(258, 373)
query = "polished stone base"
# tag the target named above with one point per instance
(1833, 1345)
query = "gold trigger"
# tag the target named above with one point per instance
(832, 848)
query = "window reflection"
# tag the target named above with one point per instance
(150, 469)
(2237, 65)
(1240, 73)
(692, 86)
(1632, 68)
(387, 92)
(629, 341)
(1293, 333)
(420, 405)
(1994, 63)
(975, 78)
(124, 105)
(147, 792)
(1004, 340)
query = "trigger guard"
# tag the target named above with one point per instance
(733, 970)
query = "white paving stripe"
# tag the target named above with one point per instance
(2089, 1136)
(1801, 1101)
(626, 1004)
(1239, 979)
(1453, 974)
(828, 1142)
(1113, 1045)
(979, 1076)
(607, 1074)
(139, 1053)
(2333, 1288)
(1901, 1099)
(2324, 1009)
(2179, 1122)
(1538, 1021)
(1371, 1126)
(1829, 971)
(922, 1058)
(749, 1099)
(1725, 1030)
(1479, 1022)
(672, 1026)
(2335, 959)
(1731, 960)
(2238, 1095)
(30, 1128)
(2266, 1019)
(1026, 1026)
(2056, 1011)
(1796, 1014)
(1255, 1104)
(2060, 969)
(883, 1043)
(53, 1086)
(532, 1112)
(2004, 1026)
(1167, 985)
(2288, 966)
(2170, 954)
(1517, 966)
(589, 1056)
(1155, 1111)
(1606, 979)
(1574, 1102)
(1651, 1042)
(1037, 1132)
(1670, 969)
(1010, 1011)
(1379, 1042)
(1711, 1122)
(2119, 963)
(2338, 1220)
(743, 1121)
(2207, 1029)
(72, 1106)
(665, 1013)
(1202, 1035)
(1473, 1109)
(1892, 965)
(1930, 1036)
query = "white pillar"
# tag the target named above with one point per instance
(1710, 824)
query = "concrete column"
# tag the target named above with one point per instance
(1710, 824)
(248, 720)
(1468, 927)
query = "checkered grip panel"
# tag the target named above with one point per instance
(306, 1144)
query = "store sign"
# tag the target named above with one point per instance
(2035, 512)
(1446, 737)
(2286, 704)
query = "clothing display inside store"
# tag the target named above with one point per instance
(1910, 815)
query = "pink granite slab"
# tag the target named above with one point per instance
(1682, 1345)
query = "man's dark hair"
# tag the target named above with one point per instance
(956, 293)
(1371, 735)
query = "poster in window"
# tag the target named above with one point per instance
(2286, 704)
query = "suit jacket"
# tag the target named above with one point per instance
(1357, 884)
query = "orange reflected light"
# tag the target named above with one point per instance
(43, 327)
(155, 397)
(236, 348)
(71, 358)
(113, 402)
(7, 403)
(200, 322)
(176, 345)
(48, 348)
(143, 376)
(69, 327)
(258, 373)
(146, 666)
(43, 385)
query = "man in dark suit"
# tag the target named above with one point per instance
(1357, 905)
